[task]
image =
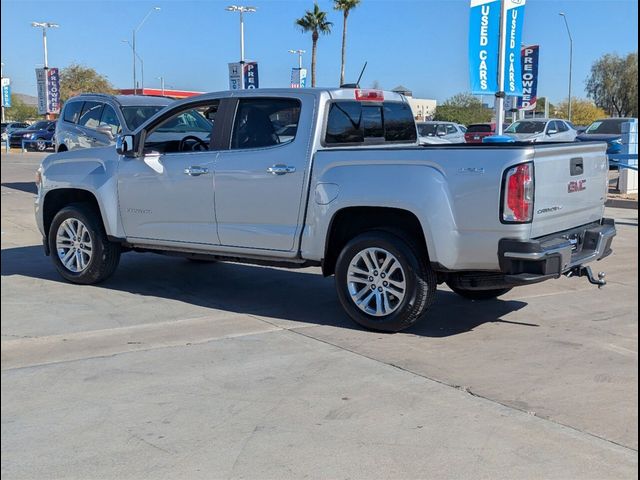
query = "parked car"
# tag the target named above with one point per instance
(8, 127)
(38, 136)
(94, 120)
(541, 130)
(440, 132)
(477, 131)
(355, 197)
(606, 130)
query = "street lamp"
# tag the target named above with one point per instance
(299, 53)
(133, 46)
(141, 64)
(564, 16)
(44, 26)
(161, 84)
(242, 10)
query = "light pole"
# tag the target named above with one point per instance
(242, 10)
(133, 46)
(299, 53)
(564, 16)
(44, 26)
(141, 64)
(161, 84)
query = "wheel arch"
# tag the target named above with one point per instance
(349, 222)
(57, 199)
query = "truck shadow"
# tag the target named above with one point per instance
(297, 295)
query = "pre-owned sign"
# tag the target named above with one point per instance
(529, 56)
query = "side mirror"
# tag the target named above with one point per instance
(106, 131)
(552, 132)
(124, 145)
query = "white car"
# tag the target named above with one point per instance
(542, 130)
(440, 132)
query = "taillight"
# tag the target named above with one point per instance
(517, 206)
(369, 95)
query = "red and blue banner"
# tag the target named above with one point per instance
(529, 56)
(484, 44)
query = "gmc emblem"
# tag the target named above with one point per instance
(577, 186)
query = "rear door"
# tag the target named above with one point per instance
(259, 180)
(571, 183)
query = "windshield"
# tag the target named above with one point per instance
(136, 116)
(526, 126)
(427, 129)
(607, 126)
(39, 126)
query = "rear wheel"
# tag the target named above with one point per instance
(479, 294)
(80, 249)
(384, 282)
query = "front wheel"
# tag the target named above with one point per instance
(479, 294)
(384, 282)
(79, 246)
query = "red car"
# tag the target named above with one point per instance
(477, 131)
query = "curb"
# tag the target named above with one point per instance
(622, 203)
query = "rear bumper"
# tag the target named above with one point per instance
(533, 261)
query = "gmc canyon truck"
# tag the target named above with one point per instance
(344, 185)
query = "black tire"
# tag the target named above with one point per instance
(105, 254)
(420, 281)
(479, 294)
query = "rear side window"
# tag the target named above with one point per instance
(265, 122)
(72, 112)
(562, 127)
(91, 113)
(353, 122)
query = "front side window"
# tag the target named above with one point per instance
(72, 112)
(91, 113)
(187, 130)
(110, 119)
(451, 130)
(427, 129)
(265, 122)
(562, 127)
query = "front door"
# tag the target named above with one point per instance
(259, 180)
(168, 193)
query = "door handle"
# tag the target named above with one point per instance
(195, 171)
(281, 169)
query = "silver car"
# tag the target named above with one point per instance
(440, 132)
(94, 120)
(542, 130)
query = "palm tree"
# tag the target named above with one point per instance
(315, 22)
(346, 6)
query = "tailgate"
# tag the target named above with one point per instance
(571, 182)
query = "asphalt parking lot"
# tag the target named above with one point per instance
(178, 370)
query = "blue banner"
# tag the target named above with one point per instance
(6, 93)
(251, 75)
(529, 56)
(514, 19)
(484, 40)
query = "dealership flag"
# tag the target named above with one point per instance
(484, 39)
(514, 16)
(530, 55)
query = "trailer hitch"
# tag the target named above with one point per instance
(582, 271)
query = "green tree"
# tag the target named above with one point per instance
(20, 111)
(76, 79)
(314, 21)
(345, 6)
(613, 84)
(463, 108)
(583, 112)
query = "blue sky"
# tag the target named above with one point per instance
(421, 44)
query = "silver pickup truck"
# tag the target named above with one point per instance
(332, 178)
